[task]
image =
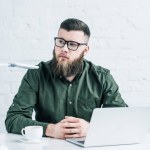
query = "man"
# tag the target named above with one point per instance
(65, 90)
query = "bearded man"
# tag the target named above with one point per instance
(64, 91)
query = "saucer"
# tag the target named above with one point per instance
(32, 142)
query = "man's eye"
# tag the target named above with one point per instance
(73, 44)
(61, 41)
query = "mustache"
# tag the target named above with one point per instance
(63, 55)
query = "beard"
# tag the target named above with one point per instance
(67, 69)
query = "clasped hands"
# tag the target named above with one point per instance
(69, 127)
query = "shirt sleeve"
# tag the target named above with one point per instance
(20, 112)
(111, 96)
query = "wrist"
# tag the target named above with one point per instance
(50, 130)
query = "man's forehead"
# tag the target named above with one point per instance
(74, 35)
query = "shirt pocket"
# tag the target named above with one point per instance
(86, 106)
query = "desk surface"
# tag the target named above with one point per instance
(12, 142)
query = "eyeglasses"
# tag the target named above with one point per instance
(72, 45)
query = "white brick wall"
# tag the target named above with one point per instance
(120, 41)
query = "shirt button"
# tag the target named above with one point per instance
(70, 85)
(70, 102)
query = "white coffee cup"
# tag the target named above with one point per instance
(32, 133)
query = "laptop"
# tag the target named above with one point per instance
(116, 126)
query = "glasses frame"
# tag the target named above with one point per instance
(66, 42)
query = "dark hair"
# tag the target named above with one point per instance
(75, 24)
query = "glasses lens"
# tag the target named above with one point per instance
(73, 45)
(59, 42)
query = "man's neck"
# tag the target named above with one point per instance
(70, 78)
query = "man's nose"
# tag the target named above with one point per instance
(65, 48)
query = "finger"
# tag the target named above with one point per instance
(72, 119)
(70, 125)
(71, 131)
(67, 116)
(63, 120)
(72, 135)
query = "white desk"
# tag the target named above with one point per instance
(12, 143)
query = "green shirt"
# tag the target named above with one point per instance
(53, 97)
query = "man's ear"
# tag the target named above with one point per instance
(86, 50)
